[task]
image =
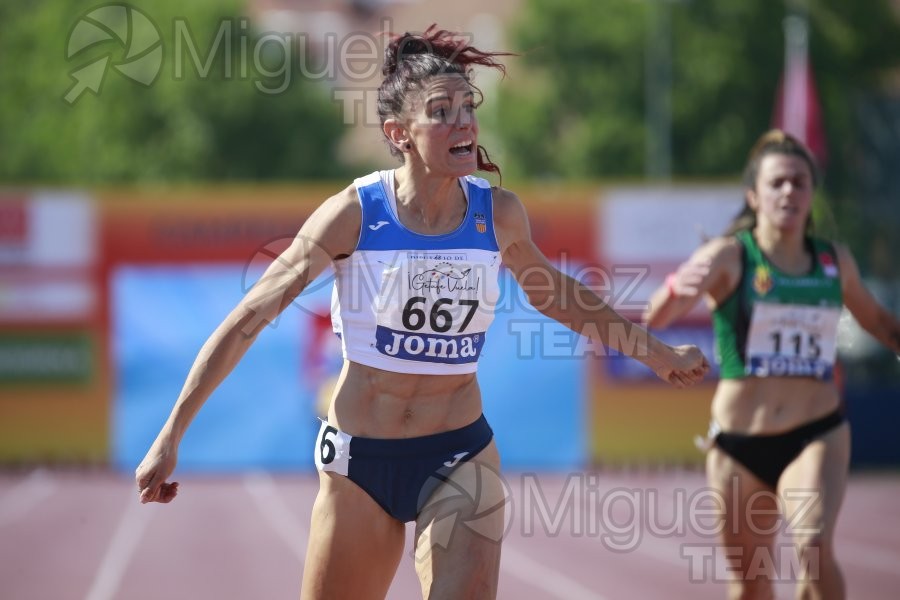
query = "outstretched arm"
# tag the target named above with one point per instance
(331, 231)
(713, 271)
(574, 305)
(870, 315)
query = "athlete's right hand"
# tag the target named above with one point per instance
(154, 470)
(685, 366)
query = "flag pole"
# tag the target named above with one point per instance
(795, 87)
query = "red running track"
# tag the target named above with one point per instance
(609, 536)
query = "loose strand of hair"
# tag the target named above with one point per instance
(485, 163)
(444, 44)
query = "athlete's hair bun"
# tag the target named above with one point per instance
(402, 47)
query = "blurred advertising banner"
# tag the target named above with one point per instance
(644, 233)
(47, 252)
(52, 384)
(106, 299)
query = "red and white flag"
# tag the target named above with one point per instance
(797, 108)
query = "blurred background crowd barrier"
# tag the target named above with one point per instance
(155, 156)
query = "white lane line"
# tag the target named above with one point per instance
(25, 495)
(118, 554)
(555, 583)
(275, 510)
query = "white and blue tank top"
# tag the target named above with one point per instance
(414, 303)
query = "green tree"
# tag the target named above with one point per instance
(575, 106)
(216, 125)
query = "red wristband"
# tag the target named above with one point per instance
(670, 285)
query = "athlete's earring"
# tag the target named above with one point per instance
(408, 146)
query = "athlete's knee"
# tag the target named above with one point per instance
(814, 554)
(751, 589)
(480, 584)
(821, 581)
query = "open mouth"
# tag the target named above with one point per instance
(463, 148)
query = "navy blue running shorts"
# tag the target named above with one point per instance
(400, 474)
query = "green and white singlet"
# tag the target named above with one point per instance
(780, 325)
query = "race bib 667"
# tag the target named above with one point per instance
(433, 307)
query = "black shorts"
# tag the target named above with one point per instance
(767, 456)
(400, 474)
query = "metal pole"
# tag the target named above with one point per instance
(658, 91)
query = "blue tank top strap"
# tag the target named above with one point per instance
(479, 228)
(376, 212)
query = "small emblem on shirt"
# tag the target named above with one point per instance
(378, 225)
(828, 266)
(762, 281)
(480, 223)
